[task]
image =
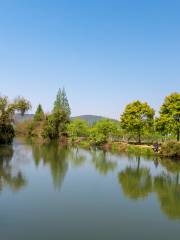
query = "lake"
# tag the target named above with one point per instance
(52, 192)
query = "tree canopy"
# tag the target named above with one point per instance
(61, 102)
(137, 118)
(22, 105)
(169, 120)
(39, 114)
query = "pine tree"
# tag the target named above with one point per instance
(39, 114)
(61, 102)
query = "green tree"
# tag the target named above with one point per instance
(61, 102)
(169, 120)
(137, 118)
(55, 125)
(78, 128)
(39, 114)
(7, 111)
(103, 131)
(22, 105)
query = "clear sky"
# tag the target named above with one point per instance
(106, 53)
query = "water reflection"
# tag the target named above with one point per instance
(102, 161)
(138, 177)
(55, 157)
(137, 182)
(9, 176)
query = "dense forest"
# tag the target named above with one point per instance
(138, 124)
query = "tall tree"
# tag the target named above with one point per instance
(137, 118)
(169, 119)
(39, 114)
(61, 102)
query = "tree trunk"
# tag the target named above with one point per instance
(139, 138)
(178, 133)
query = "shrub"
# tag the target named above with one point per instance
(7, 133)
(170, 149)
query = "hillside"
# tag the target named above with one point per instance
(91, 119)
(18, 118)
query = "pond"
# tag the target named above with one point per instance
(52, 192)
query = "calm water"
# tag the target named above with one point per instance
(48, 192)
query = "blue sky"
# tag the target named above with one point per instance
(106, 53)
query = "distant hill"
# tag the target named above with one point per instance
(18, 118)
(91, 119)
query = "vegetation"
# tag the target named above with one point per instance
(103, 131)
(170, 149)
(137, 119)
(137, 125)
(78, 128)
(7, 111)
(39, 114)
(169, 119)
(22, 105)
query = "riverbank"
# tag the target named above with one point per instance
(170, 149)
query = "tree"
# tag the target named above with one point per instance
(78, 128)
(61, 102)
(22, 105)
(7, 111)
(39, 114)
(103, 131)
(169, 120)
(137, 118)
(55, 125)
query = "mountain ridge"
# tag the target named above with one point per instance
(91, 119)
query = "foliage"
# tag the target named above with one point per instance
(39, 114)
(7, 133)
(170, 149)
(137, 118)
(78, 128)
(169, 119)
(61, 103)
(7, 111)
(55, 125)
(22, 105)
(103, 131)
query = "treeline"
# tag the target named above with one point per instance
(138, 123)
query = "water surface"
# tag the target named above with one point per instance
(50, 192)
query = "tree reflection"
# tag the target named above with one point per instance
(136, 182)
(76, 157)
(8, 177)
(55, 157)
(102, 162)
(168, 190)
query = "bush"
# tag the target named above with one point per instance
(55, 125)
(7, 133)
(78, 128)
(170, 149)
(103, 131)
